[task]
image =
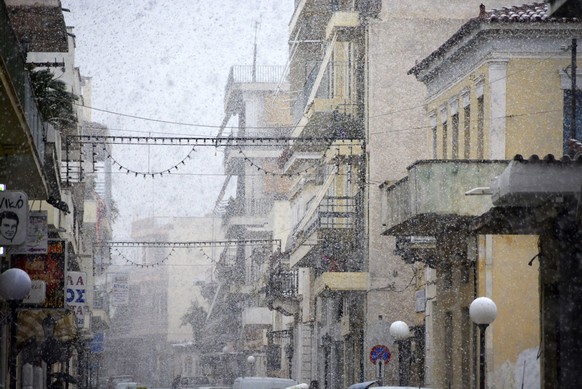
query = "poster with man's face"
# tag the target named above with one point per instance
(13, 217)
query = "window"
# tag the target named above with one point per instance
(433, 126)
(480, 128)
(480, 119)
(445, 132)
(466, 99)
(454, 105)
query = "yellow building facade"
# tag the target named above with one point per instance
(497, 88)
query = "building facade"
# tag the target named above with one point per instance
(485, 86)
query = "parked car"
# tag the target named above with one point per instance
(193, 382)
(262, 383)
(114, 380)
(130, 385)
(375, 385)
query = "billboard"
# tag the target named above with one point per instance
(50, 268)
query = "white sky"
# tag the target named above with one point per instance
(169, 60)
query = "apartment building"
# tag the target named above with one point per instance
(348, 72)
(255, 215)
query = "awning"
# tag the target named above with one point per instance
(30, 325)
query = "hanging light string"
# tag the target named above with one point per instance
(127, 170)
(297, 173)
(206, 255)
(141, 265)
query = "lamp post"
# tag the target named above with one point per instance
(482, 311)
(15, 285)
(251, 362)
(400, 332)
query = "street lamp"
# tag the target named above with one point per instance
(15, 285)
(400, 332)
(482, 311)
(251, 362)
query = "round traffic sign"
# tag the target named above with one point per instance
(380, 353)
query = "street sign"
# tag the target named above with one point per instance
(98, 343)
(380, 353)
(13, 217)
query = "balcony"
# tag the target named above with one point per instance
(342, 23)
(252, 213)
(424, 206)
(256, 316)
(23, 133)
(248, 78)
(324, 102)
(334, 220)
(305, 9)
(433, 195)
(334, 282)
(282, 291)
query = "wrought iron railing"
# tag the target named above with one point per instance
(283, 283)
(333, 213)
(11, 54)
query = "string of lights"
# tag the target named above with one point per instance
(141, 265)
(127, 170)
(267, 172)
(206, 255)
(203, 243)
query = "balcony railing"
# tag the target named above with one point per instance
(333, 213)
(11, 53)
(250, 207)
(271, 74)
(283, 284)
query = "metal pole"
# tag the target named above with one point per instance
(482, 328)
(380, 373)
(13, 351)
(573, 124)
(400, 364)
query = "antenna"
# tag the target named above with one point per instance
(255, 54)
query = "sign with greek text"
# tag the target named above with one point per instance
(50, 268)
(120, 289)
(37, 293)
(75, 294)
(37, 235)
(13, 217)
(98, 343)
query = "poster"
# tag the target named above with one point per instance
(37, 235)
(49, 268)
(119, 289)
(13, 217)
